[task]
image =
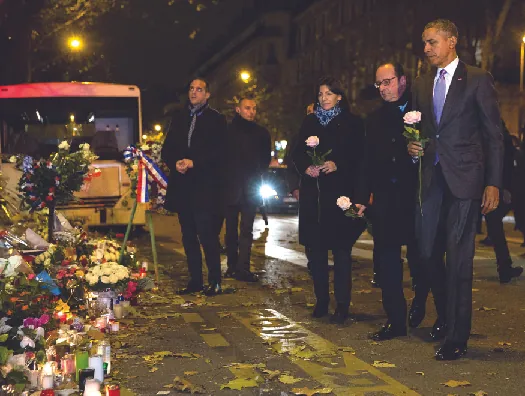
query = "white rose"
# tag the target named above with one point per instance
(93, 282)
(64, 145)
(47, 263)
(12, 159)
(344, 203)
(85, 146)
(37, 260)
(107, 271)
(105, 279)
(113, 278)
(47, 255)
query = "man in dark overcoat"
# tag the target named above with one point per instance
(194, 151)
(392, 180)
(249, 154)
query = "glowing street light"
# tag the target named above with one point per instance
(245, 76)
(158, 128)
(75, 43)
(522, 62)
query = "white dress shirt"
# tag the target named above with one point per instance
(451, 69)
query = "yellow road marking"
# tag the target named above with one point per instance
(192, 317)
(343, 372)
(215, 340)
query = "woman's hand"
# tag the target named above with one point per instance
(328, 167)
(312, 171)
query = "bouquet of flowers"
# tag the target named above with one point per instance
(412, 134)
(47, 260)
(110, 275)
(317, 160)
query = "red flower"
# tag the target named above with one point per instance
(49, 198)
(52, 189)
(43, 205)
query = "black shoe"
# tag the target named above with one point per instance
(213, 289)
(439, 330)
(230, 273)
(320, 310)
(246, 276)
(486, 242)
(191, 288)
(451, 351)
(340, 315)
(388, 332)
(506, 275)
(416, 314)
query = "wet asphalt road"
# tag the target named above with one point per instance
(261, 340)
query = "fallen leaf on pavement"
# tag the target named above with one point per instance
(153, 369)
(240, 383)
(346, 349)
(311, 392)
(190, 373)
(309, 305)
(486, 309)
(502, 343)
(420, 373)
(185, 386)
(224, 315)
(455, 384)
(296, 289)
(271, 373)
(479, 393)
(382, 363)
(288, 379)
(363, 292)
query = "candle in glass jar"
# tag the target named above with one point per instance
(81, 361)
(48, 382)
(96, 363)
(48, 369)
(101, 323)
(68, 364)
(115, 326)
(92, 385)
(113, 390)
(33, 378)
(92, 393)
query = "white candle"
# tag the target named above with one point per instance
(47, 382)
(92, 393)
(118, 310)
(96, 362)
(48, 369)
(115, 326)
(92, 385)
(33, 378)
(125, 308)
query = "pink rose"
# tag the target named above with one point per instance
(312, 141)
(344, 203)
(31, 276)
(412, 117)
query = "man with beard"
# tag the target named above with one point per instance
(392, 179)
(249, 154)
(194, 151)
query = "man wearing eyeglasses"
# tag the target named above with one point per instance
(392, 179)
(194, 151)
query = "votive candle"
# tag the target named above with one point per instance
(81, 361)
(96, 363)
(48, 382)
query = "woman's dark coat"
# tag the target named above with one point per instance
(322, 224)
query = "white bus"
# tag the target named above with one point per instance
(34, 118)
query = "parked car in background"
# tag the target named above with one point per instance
(276, 193)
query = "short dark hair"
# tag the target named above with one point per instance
(445, 26)
(399, 70)
(336, 87)
(244, 97)
(205, 81)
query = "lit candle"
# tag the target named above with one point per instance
(48, 369)
(115, 326)
(96, 362)
(68, 364)
(101, 323)
(92, 393)
(33, 378)
(62, 317)
(47, 382)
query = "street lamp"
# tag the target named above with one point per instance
(74, 43)
(245, 76)
(157, 127)
(522, 62)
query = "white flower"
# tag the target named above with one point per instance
(13, 262)
(47, 254)
(113, 278)
(3, 327)
(40, 332)
(85, 146)
(107, 271)
(105, 279)
(144, 147)
(412, 117)
(64, 145)
(47, 263)
(37, 260)
(12, 159)
(93, 282)
(312, 141)
(344, 203)
(27, 342)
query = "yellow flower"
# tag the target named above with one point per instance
(79, 273)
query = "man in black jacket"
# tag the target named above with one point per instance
(392, 179)
(494, 219)
(194, 151)
(249, 154)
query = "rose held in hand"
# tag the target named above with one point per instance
(312, 141)
(412, 117)
(344, 203)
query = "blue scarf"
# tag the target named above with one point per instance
(325, 116)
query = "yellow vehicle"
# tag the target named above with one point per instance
(34, 118)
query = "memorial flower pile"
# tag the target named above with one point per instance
(110, 275)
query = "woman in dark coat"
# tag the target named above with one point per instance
(323, 226)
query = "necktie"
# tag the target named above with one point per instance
(440, 93)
